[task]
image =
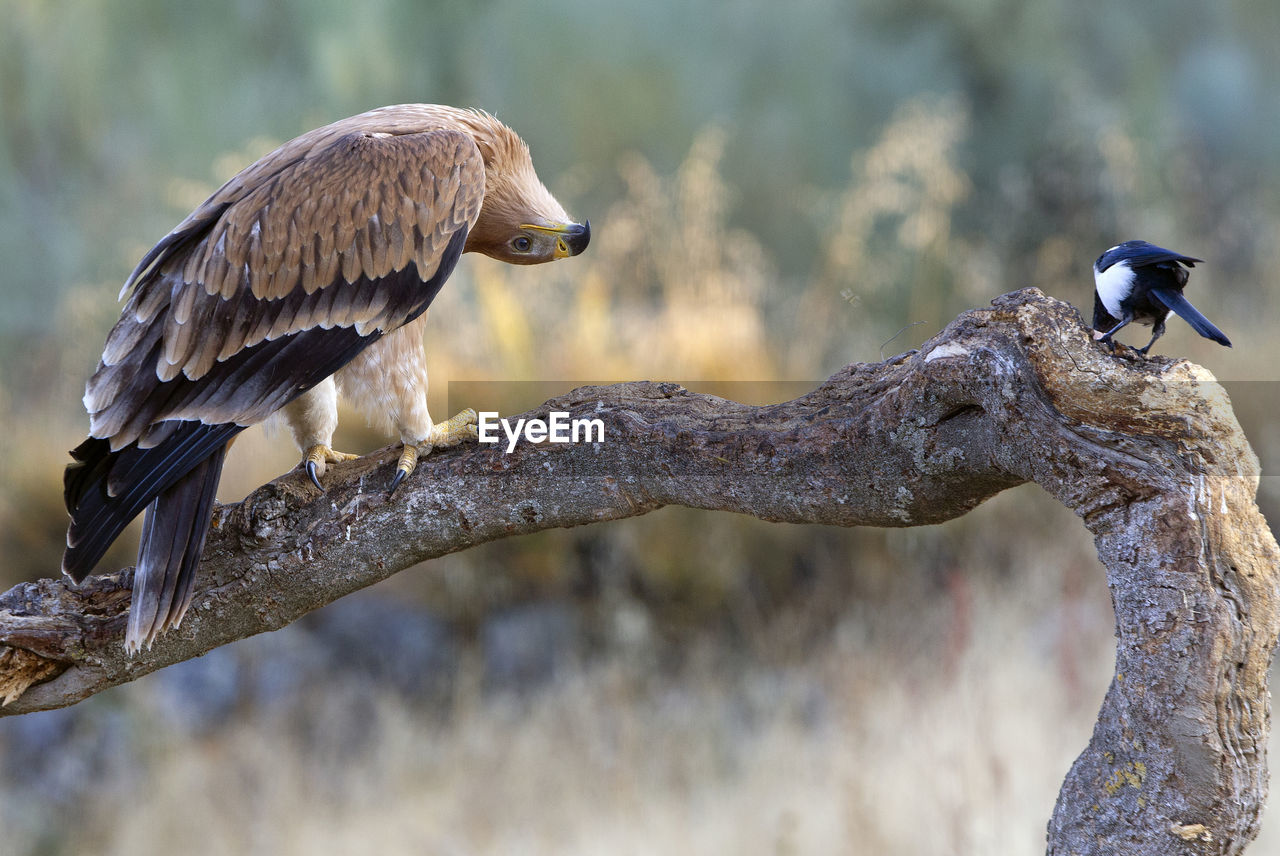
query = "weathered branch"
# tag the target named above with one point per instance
(1148, 454)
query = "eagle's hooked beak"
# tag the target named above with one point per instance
(571, 238)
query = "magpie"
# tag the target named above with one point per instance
(1137, 281)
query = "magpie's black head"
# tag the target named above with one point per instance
(1139, 254)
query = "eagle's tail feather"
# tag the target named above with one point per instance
(175, 480)
(172, 540)
(106, 489)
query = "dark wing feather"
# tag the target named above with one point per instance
(1150, 254)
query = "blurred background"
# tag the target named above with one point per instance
(775, 190)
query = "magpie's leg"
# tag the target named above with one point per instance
(1156, 332)
(1105, 338)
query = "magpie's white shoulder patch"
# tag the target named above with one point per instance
(1114, 285)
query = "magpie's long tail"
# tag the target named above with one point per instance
(1179, 304)
(175, 477)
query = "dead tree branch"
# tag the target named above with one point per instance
(1147, 453)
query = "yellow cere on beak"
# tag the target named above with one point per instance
(571, 238)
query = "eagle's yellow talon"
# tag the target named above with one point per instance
(453, 431)
(408, 462)
(444, 435)
(316, 459)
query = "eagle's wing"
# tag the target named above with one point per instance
(342, 238)
(283, 276)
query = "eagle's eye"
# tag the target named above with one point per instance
(521, 243)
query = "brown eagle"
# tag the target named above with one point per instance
(305, 275)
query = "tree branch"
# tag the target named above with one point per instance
(1147, 453)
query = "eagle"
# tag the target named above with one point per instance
(306, 276)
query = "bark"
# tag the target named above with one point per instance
(1147, 453)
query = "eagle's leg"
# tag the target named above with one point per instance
(317, 456)
(443, 435)
(312, 418)
(388, 382)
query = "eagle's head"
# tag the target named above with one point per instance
(520, 221)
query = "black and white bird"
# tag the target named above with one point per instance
(1137, 281)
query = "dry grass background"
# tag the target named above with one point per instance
(702, 683)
